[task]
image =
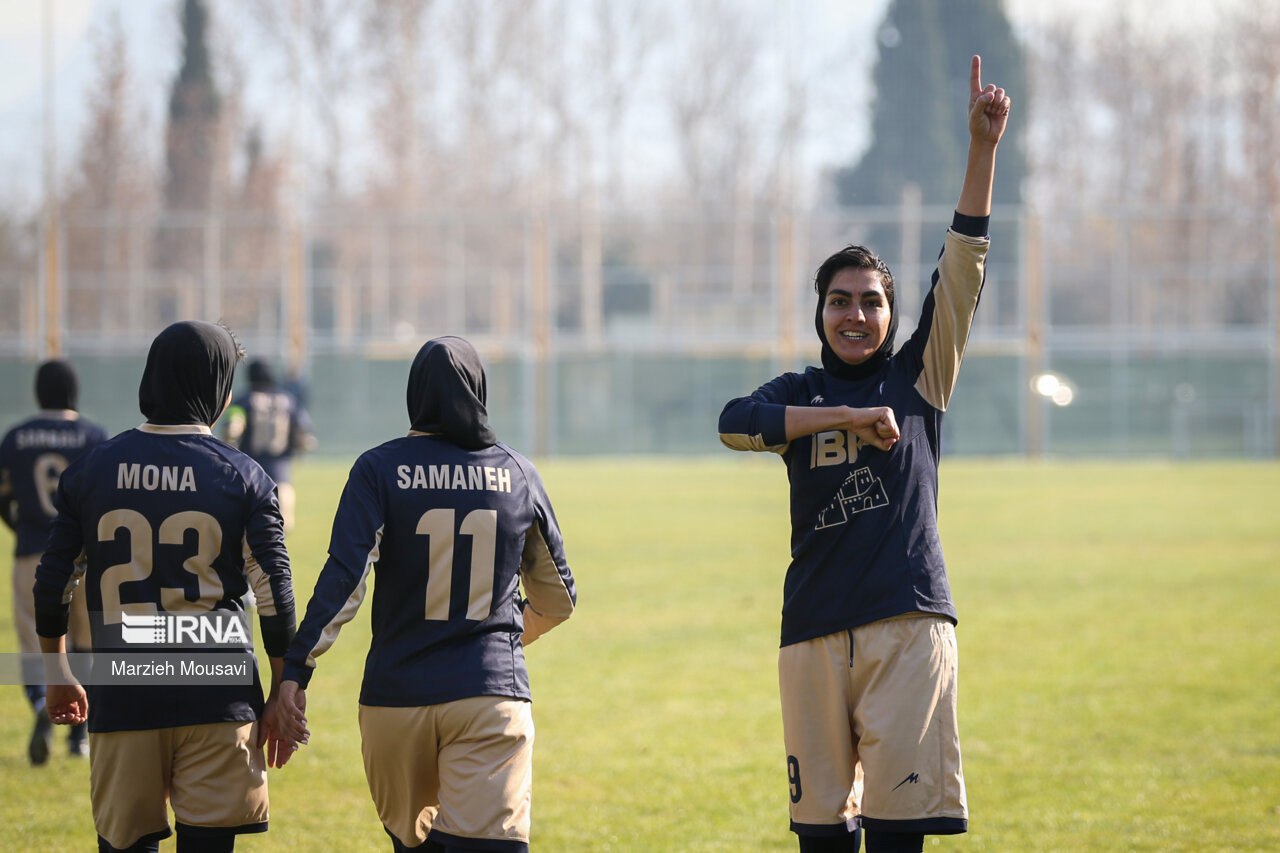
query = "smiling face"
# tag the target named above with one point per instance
(855, 314)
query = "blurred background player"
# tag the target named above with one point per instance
(867, 668)
(33, 456)
(452, 523)
(271, 425)
(168, 517)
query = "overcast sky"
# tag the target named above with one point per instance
(154, 22)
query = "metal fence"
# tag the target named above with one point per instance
(1135, 332)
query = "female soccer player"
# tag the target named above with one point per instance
(867, 668)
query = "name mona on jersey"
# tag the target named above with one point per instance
(475, 477)
(153, 478)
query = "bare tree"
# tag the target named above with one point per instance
(1253, 31)
(713, 97)
(619, 51)
(320, 41)
(394, 33)
(110, 193)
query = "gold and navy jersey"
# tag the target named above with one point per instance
(33, 456)
(864, 532)
(170, 520)
(450, 536)
(271, 426)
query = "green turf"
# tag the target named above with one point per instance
(1118, 642)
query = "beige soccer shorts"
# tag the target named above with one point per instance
(462, 770)
(869, 723)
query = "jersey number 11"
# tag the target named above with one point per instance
(438, 526)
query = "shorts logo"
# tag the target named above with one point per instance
(216, 628)
(913, 778)
(816, 400)
(860, 492)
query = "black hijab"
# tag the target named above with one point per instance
(261, 377)
(837, 366)
(56, 385)
(447, 393)
(189, 373)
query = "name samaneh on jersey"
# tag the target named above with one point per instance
(487, 478)
(50, 439)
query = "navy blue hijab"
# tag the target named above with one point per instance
(189, 373)
(447, 392)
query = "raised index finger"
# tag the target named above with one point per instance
(975, 77)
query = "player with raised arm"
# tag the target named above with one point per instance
(33, 456)
(170, 520)
(451, 523)
(867, 668)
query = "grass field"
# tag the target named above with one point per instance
(1120, 687)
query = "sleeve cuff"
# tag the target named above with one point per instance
(971, 226)
(277, 633)
(300, 674)
(52, 622)
(51, 614)
(772, 420)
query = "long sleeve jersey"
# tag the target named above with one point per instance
(450, 536)
(33, 456)
(170, 520)
(864, 532)
(273, 426)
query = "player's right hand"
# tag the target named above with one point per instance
(988, 106)
(66, 704)
(875, 426)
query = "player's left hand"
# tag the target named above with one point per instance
(988, 107)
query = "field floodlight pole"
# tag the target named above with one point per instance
(297, 326)
(51, 345)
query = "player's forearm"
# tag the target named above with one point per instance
(536, 624)
(807, 420)
(979, 177)
(57, 668)
(277, 673)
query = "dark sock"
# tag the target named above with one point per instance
(204, 841)
(426, 847)
(140, 847)
(895, 842)
(847, 843)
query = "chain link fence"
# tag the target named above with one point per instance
(1139, 332)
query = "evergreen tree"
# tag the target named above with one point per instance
(194, 108)
(918, 120)
(194, 161)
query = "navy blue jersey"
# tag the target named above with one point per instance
(271, 426)
(864, 532)
(449, 534)
(170, 519)
(33, 456)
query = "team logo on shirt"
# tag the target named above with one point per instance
(860, 492)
